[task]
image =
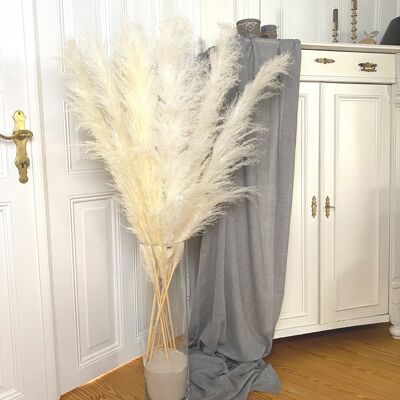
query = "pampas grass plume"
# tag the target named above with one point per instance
(159, 119)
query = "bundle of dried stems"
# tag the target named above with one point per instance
(160, 120)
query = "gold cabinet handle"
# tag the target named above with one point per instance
(328, 206)
(20, 136)
(368, 67)
(324, 60)
(314, 206)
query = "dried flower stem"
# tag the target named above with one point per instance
(160, 121)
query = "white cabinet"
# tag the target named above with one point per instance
(338, 258)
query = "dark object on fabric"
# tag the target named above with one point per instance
(269, 31)
(392, 34)
(248, 27)
(241, 272)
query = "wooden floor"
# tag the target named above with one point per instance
(361, 363)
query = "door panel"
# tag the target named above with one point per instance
(355, 175)
(300, 303)
(94, 257)
(22, 338)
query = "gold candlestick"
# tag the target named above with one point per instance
(335, 25)
(335, 33)
(354, 21)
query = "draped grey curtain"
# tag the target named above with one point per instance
(241, 272)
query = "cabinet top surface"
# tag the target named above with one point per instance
(364, 48)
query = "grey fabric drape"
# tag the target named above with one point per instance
(241, 272)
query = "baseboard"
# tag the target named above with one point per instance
(301, 330)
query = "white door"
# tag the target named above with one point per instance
(300, 303)
(26, 371)
(355, 134)
(94, 260)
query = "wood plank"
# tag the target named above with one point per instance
(347, 364)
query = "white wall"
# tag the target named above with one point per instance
(308, 20)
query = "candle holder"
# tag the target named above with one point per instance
(335, 25)
(354, 23)
(335, 33)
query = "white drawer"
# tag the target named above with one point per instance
(340, 66)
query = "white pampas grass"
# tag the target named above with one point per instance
(160, 120)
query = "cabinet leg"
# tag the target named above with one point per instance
(394, 308)
(395, 331)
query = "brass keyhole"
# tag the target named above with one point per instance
(314, 206)
(328, 207)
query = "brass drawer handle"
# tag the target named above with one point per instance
(324, 60)
(314, 206)
(328, 207)
(368, 67)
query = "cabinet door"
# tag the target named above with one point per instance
(300, 304)
(355, 133)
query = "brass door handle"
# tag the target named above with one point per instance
(314, 206)
(20, 136)
(328, 206)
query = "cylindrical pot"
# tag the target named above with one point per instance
(269, 31)
(165, 360)
(248, 27)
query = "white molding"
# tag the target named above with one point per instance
(341, 300)
(158, 11)
(376, 251)
(302, 330)
(40, 192)
(196, 21)
(3, 152)
(65, 26)
(236, 10)
(128, 10)
(7, 239)
(136, 267)
(394, 279)
(246, 9)
(378, 19)
(285, 15)
(325, 30)
(116, 311)
(377, 15)
(179, 6)
(142, 285)
(344, 21)
(321, 12)
(12, 395)
(303, 310)
(300, 304)
(105, 22)
(75, 163)
(350, 47)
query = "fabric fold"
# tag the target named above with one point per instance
(242, 263)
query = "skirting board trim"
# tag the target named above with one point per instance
(331, 325)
